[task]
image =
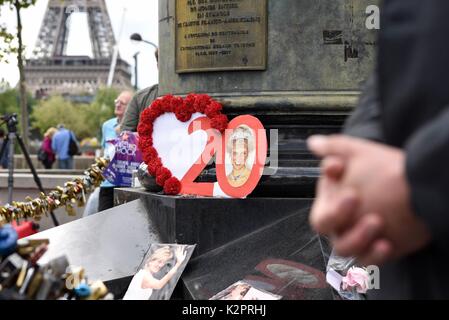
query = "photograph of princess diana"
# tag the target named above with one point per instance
(240, 156)
(244, 291)
(157, 277)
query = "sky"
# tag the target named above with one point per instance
(141, 16)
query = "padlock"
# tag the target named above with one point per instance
(10, 269)
(8, 240)
(99, 291)
(26, 247)
(83, 291)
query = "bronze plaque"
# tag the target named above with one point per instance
(216, 35)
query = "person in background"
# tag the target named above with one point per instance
(4, 157)
(142, 100)
(46, 154)
(61, 147)
(110, 131)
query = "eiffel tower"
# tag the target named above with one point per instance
(52, 71)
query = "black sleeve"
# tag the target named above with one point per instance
(365, 121)
(428, 175)
(139, 102)
(427, 156)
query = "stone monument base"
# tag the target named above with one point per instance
(264, 241)
(210, 222)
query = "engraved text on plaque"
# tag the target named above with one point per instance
(215, 35)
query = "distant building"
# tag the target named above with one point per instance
(72, 75)
(51, 71)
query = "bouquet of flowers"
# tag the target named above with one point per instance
(350, 281)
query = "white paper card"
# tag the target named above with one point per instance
(334, 279)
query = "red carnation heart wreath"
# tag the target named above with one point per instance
(183, 109)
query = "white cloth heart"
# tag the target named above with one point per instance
(177, 149)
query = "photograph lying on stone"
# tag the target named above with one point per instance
(159, 272)
(244, 291)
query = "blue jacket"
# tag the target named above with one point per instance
(108, 133)
(61, 142)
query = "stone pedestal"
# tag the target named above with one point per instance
(210, 223)
(317, 53)
(266, 241)
(317, 57)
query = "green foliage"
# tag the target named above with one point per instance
(100, 110)
(56, 110)
(9, 102)
(21, 4)
(85, 120)
(106, 97)
(6, 40)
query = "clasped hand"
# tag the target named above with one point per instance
(363, 200)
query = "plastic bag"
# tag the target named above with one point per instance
(125, 157)
(92, 204)
(337, 276)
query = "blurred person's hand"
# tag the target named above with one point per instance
(363, 200)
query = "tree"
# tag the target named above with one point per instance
(56, 110)
(10, 99)
(7, 37)
(83, 119)
(106, 97)
(9, 102)
(100, 110)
